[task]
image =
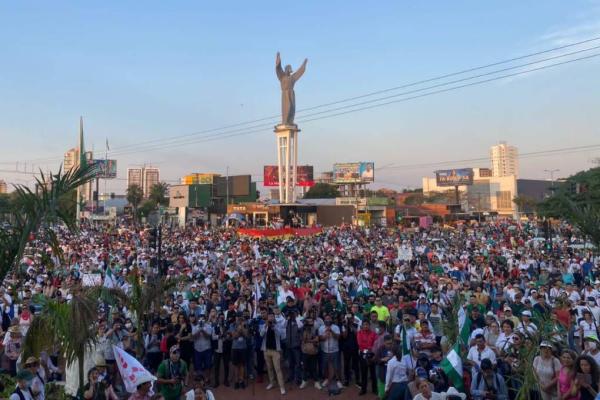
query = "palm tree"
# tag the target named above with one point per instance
(144, 299)
(38, 212)
(159, 193)
(68, 325)
(134, 197)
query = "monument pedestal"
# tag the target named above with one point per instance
(287, 161)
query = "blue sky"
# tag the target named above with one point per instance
(140, 71)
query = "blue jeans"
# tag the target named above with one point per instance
(202, 360)
(334, 359)
(294, 360)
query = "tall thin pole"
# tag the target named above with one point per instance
(79, 163)
(551, 172)
(227, 191)
(106, 166)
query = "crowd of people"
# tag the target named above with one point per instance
(374, 311)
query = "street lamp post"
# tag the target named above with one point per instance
(551, 172)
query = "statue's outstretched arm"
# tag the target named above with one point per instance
(296, 75)
(278, 69)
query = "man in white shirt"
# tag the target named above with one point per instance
(479, 352)
(329, 335)
(396, 376)
(202, 334)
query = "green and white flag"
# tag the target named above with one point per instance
(282, 296)
(464, 327)
(405, 342)
(109, 280)
(452, 367)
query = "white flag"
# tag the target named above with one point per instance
(132, 371)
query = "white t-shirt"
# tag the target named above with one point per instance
(476, 356)
(331, 344)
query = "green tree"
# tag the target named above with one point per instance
(144, 299)
(525, 204)
(414, 199)
(134, 196)
(146, 208)
(577, 200)
(38, 212)
(322, 191)
(70, 325)
(159, 194)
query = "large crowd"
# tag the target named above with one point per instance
(373, 311)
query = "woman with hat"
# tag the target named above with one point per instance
(23, 391)
(546, 367)
(12, 348)
(39, 377)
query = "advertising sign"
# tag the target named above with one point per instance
(105, 169)
(239, 185)
(454, 177)
(304, 175)
(271, 175)
(357, 172)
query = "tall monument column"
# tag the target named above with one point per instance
(287, 132)
(287, 161)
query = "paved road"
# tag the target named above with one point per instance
(292, 393)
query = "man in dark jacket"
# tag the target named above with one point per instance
(293, 335)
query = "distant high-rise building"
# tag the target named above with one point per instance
(151, 176)
(144, 177)
(71, 159)
(504, 159)
(3, 187)
(134, 177)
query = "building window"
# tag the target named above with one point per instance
(503, 199)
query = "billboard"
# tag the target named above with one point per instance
(454, 177)
(304, 175)
(357, 172)
(239, 185)
(105, 169)
(271, 175)
(203, 179)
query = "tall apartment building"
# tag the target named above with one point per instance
(3, 187)
(134, 177)
(70, 161)
(145, 178)
(150, 177)
(504, 160)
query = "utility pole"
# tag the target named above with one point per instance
(551, 172)
(227, 190)
(159, 250)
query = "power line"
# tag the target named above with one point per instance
(225, 135)
(137, 145)
(186, 141)
(531, 154)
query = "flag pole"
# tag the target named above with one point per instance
(79, 164)
(105, 175)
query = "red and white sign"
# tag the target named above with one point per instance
(132, 371)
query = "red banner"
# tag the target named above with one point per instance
(273, 233)
(304, 175)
